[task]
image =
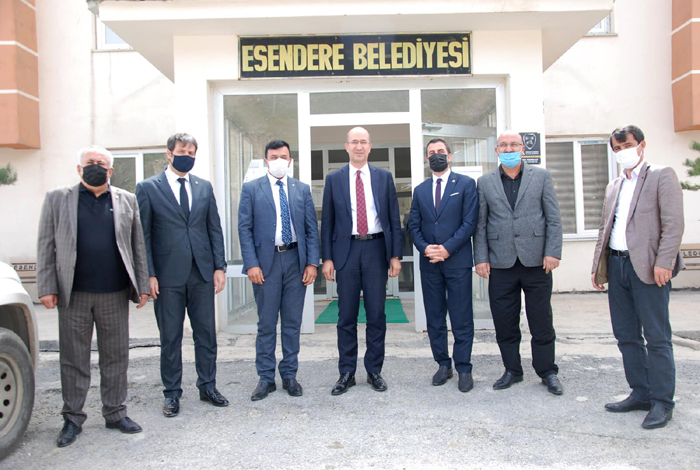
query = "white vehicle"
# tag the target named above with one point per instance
(19, 352)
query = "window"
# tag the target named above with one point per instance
(133, 166)
(580, 169)
(605, 27)
(108, 39)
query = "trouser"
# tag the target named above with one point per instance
(197, 296)
(109, 312)
(282, 294)
(366, 269)
(447, 289)
(636, 307)
(504, 296)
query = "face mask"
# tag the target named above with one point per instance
(183, 163)
(94, 175)
(278, 168)
(628, 158)
(438, 162)
(510, 159)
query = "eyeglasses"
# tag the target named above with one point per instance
(355, 143)
(513, 145)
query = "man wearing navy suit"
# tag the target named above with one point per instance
(361, 242)
(278, 232)
(444, 214)
(186, 264)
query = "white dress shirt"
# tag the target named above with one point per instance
(373, 224)
(175, 184)
(445, 178)
(618, 237)
(276, 197)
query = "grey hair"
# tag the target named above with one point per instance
(509, 132)
(95, 149)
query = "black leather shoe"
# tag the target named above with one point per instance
(263, 390)
(292, 387)
(628, 404)
(214, 397)
(125, 425)
(377, 382)
(553, 384)
(345, 381)
(171, 407)
(466, 382)
(507, 379)
(442, 375)
(68, 434)
(658, 417)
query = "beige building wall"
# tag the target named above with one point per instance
(604, 82)
(115, 99)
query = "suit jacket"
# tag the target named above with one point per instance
(336, 217)
(172, 240)
(257, 223)
(58, 234)
(654, 224)
(452, 226)
(529, 232)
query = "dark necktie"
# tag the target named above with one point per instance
(438, 194)
(184, 199)
(361, 206)
(284, 215)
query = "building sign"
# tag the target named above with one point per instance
(532, 154)
(355, 55)
(691, 256)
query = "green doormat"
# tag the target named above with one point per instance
(393, 310)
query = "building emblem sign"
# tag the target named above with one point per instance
(355, 55)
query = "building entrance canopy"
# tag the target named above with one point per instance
(151, 27)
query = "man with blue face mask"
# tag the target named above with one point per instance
(518, 243)
(187, 267)
(637, 254)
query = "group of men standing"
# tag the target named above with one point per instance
(100, 246)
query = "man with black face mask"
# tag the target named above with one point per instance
(91, 261)
(443, 219)
(187, 267)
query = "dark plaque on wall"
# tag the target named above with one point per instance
(532, 154)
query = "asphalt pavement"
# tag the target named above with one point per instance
(412, 425)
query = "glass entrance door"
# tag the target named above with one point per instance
(315, 123)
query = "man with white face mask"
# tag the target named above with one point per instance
(637, 254)
(278, 233)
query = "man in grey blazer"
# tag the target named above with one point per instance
(518, 243)
(91, 261)
(278, 232)
(637, 254)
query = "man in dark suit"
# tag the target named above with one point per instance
(361, 240)
(637, 254)
(443, 218)
(278, 232)
(187, 267)
(518, 242)
(91, 261)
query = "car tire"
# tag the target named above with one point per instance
(16, 390)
